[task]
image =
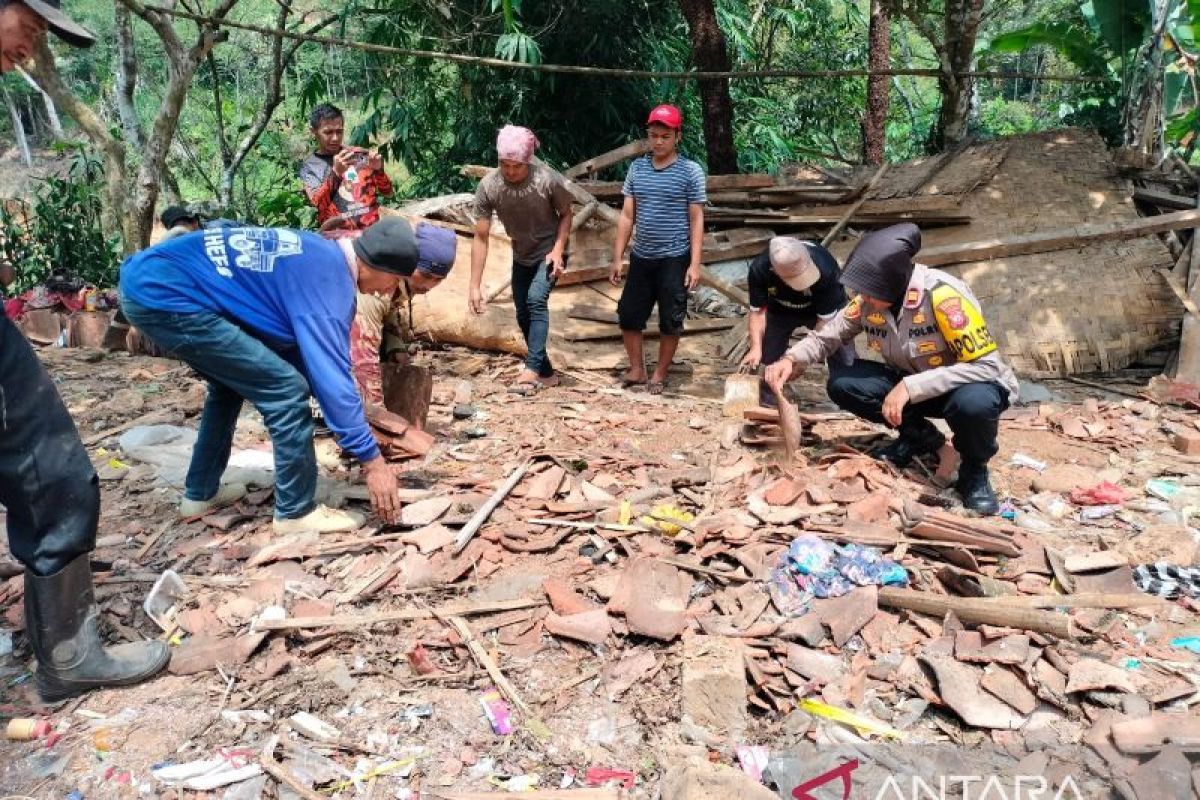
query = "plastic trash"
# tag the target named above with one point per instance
(753, 760)
(1102, 494)
(1191, 643)
(813, 567)
(845, 717)
(498, 712)
(162, 603)
(25, 729)
(1022, 460)
(6, 645)
(598, 776)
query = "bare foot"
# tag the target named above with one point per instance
(633, 377)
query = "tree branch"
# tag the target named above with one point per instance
(281, 60)
(46, 74)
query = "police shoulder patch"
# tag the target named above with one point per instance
(853, 309)
(961, 324)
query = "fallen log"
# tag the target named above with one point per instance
(979, 611)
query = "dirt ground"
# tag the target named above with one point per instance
(406, 695)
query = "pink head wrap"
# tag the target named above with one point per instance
(515, 143)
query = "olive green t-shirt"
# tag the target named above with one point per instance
(529, 210)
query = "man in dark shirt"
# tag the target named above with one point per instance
(47, 483)
(792, 284)
(344, 183)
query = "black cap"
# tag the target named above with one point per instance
(881, 264)
(63, 26)
(174, 215)
(388, 246)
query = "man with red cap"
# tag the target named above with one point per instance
(938, 359)
(664, 214)
(792, 284)
(535, 207)
(47, 484)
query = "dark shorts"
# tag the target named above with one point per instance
(651, 281)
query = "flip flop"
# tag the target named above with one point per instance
(525, 389)
(655, 387)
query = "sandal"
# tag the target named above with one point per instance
(655, 387)
(525, 389)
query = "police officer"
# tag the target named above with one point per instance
(939, 359)
(47, 483)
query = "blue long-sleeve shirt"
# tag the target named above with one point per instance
(291, 289)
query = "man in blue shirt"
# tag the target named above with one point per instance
(664, 212)
(265, 314)
(47, 483)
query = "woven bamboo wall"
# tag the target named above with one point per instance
(1088, 309)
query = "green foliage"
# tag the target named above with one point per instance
(1124, 24)
(1072, 41)
(1000, 117)
(63, 232)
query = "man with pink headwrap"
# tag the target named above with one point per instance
(534, 206)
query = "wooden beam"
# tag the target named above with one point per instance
(383, 617)
(1059, 239)
(1163, 199)
(756, 218)
(581, 195)
(729, 290)
(845, 219)
(597, 163)
(1179, 291)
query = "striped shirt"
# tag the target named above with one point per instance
(661, 225)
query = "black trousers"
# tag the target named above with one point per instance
(972, 411)
(47, 482)
(780, 327)
(654, 281)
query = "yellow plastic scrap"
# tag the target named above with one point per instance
(659, 519)
(626, 513)
(864, 725)
(117, 464)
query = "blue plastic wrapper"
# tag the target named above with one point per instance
(815, 568)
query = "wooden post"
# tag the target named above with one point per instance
(408, 391)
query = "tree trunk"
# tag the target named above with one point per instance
(18, 128)
(711, 55)
(874, 126)
(957, 53)
(126, 75)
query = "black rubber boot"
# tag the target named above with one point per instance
(920, 439)
(976, 489)
(60, 615)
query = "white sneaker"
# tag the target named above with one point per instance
(227, 495)
(321, 519)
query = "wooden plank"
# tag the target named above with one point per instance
(753, 180)
(615, 156)
(598, 314)
(574, 277)
(1058, 239)
(1163, 199)
(733, 251)
(756, 218)
(724, 287)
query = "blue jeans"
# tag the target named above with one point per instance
(239, 366)
(531, 285)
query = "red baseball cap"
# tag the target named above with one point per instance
(667, 115)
